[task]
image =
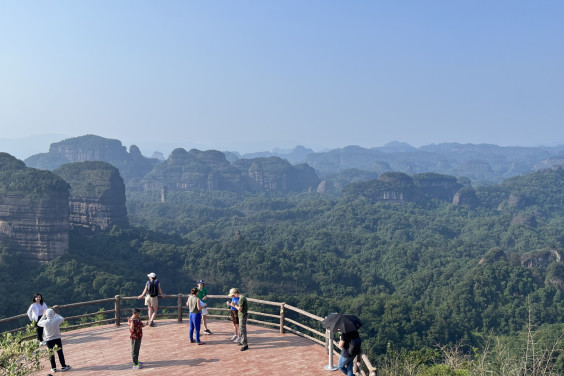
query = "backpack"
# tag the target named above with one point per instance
(153, 288)
(354, 347)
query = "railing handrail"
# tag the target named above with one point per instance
(361, 359)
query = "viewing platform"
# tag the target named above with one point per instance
(282, 340)
(166, 350)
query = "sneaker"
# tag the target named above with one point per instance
(192, 341)
(138, 366)
(65, 368)
(233, 338)
(237, 340)
(244, 348)
(54, 370)
(207, 331)
(152, 324)
(201, 343)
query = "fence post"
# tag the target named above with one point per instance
(329, 341)
(180, 307)
(117, 305)
(282, 317)
(56, 308)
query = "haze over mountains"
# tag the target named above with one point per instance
(483, 164)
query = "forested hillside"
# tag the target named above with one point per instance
(417, 274)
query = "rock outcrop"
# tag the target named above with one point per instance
(392, 187)
(97, 195)
(211, 171)
(194, 170)
(466, 197)
(442, 187)
(34, 210)
(540, 259)
(277, 174)
(95, 148)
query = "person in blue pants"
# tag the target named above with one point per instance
(195, 309)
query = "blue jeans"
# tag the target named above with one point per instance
(195, 322)
(346, 365)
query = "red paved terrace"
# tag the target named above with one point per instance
(166, 351)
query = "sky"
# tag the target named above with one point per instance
(256, 75)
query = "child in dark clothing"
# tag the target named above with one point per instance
(136, 333)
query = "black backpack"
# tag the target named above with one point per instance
(354, 347)
(153, 288)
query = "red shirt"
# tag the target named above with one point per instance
(137, 331)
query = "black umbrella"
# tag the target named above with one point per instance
(339, 322)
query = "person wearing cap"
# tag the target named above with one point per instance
(151, 293)
(202, 293)
(242, 306)
(50, 322)
(233, 315)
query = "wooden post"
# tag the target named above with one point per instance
(356, 364)
(117, 305)
(180, 307)
(282, 317)
(56, 308)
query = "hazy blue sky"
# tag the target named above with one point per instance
(252, 75)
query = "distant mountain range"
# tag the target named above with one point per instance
(483, 164)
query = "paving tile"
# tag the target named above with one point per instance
(166, 350)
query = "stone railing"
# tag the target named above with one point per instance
(275, 314)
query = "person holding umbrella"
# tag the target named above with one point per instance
(350, 341)
(350, 348)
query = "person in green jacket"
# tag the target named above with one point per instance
(202, 293)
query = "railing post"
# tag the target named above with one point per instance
(356, 364)
(282, 317)
(117, 304)
(329, 336)
(56, 308)
(180, 307)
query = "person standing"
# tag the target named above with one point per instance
(50, 322)
(35, 311)
(233, 314)
(151, 293)
(135, 335)
(350, 345)
(202, 293)
(242, 307)
(195, 309)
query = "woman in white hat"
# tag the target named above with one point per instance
(151, 294)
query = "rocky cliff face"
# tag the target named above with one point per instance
(95, 148)
(466, 197)
(194, 170)
(276, 174)
(442, 187)
(211, 171)
(97, 195)
(392, 187)
(34, 210)
(540, 259)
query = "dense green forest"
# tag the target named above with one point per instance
(417, 274)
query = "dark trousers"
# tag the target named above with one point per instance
(135, 347)
(51, 344)
(39, 330)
